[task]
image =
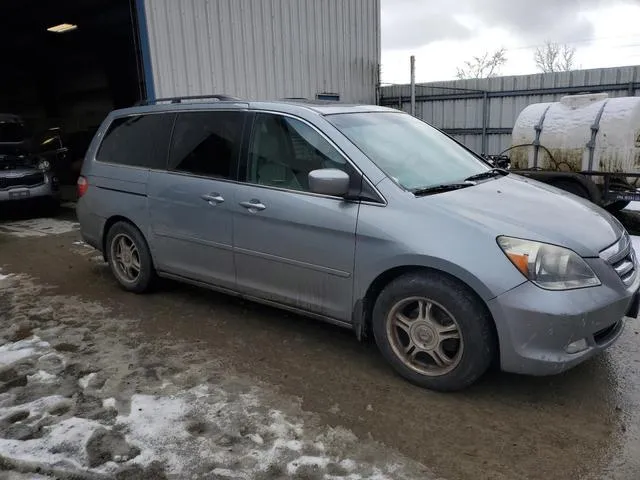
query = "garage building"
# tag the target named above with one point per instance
(66, 64)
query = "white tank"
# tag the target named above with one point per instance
(579, 133)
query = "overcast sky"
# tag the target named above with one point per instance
(443, 34)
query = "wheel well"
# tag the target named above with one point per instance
(388, 276)
(107, 226)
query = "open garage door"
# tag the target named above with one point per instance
(64, 65)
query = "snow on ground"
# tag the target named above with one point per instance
(38, 227)
(2, 277)
(83, 396)
(22, 350)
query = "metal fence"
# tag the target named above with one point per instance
(481, 113)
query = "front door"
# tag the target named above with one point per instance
(292, 246)
(191, 204)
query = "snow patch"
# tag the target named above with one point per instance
(317, 462)
(64, 445)
(86, 380)
(12, 353)
(80, 243)
(42, 377)
(38, 227)
(156, 425)
(37, 408)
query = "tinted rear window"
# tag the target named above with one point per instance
(140, 141)
(207, 143)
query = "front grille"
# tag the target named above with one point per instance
(28, 180)
(625, 269)
(622, 259)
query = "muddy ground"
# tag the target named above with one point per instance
(581, 424)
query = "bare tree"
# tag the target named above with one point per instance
(554, 57)
(484, 66)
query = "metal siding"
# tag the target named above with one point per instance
(467, 113)
(265, 49)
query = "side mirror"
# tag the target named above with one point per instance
(329, 181)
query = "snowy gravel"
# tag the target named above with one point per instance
(83, 396)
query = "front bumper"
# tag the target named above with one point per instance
(49, 189)
(536, 326)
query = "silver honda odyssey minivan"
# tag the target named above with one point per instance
(364, 217)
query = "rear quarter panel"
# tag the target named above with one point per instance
(114, 190)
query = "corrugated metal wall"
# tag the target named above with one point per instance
(459, 106)
(265, 49)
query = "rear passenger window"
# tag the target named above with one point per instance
(140, 141)
(206, 143)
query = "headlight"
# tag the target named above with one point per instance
(548, 266)
(44, 165)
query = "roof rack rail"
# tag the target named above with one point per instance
(220, 98)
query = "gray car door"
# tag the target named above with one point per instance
(191, 204)
(292, 246)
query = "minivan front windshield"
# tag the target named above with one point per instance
(414, 154)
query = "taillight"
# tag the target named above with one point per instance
(83, 186)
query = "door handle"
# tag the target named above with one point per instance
(212, 198)
(253, 205)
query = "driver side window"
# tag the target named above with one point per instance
(283, 150)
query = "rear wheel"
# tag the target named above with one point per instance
(129, 258)
(434, 331)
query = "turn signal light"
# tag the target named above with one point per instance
(521, 261)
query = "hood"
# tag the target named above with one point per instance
(13, 155)
(519, 207)
(17, 171)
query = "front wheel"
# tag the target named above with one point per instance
(434, 331)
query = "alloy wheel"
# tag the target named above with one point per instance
(126, 258)
(424, 336)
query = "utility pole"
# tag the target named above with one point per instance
(413, 85)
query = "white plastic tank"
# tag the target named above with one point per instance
(579, 133)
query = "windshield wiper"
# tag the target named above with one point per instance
(488, 174)
(445, 187)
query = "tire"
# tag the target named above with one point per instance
(615, 207)
(138, 259)
(572, 187)
(476, 343)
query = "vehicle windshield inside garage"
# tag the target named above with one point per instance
(64, 66)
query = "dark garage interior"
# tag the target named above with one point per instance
(64, 83)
